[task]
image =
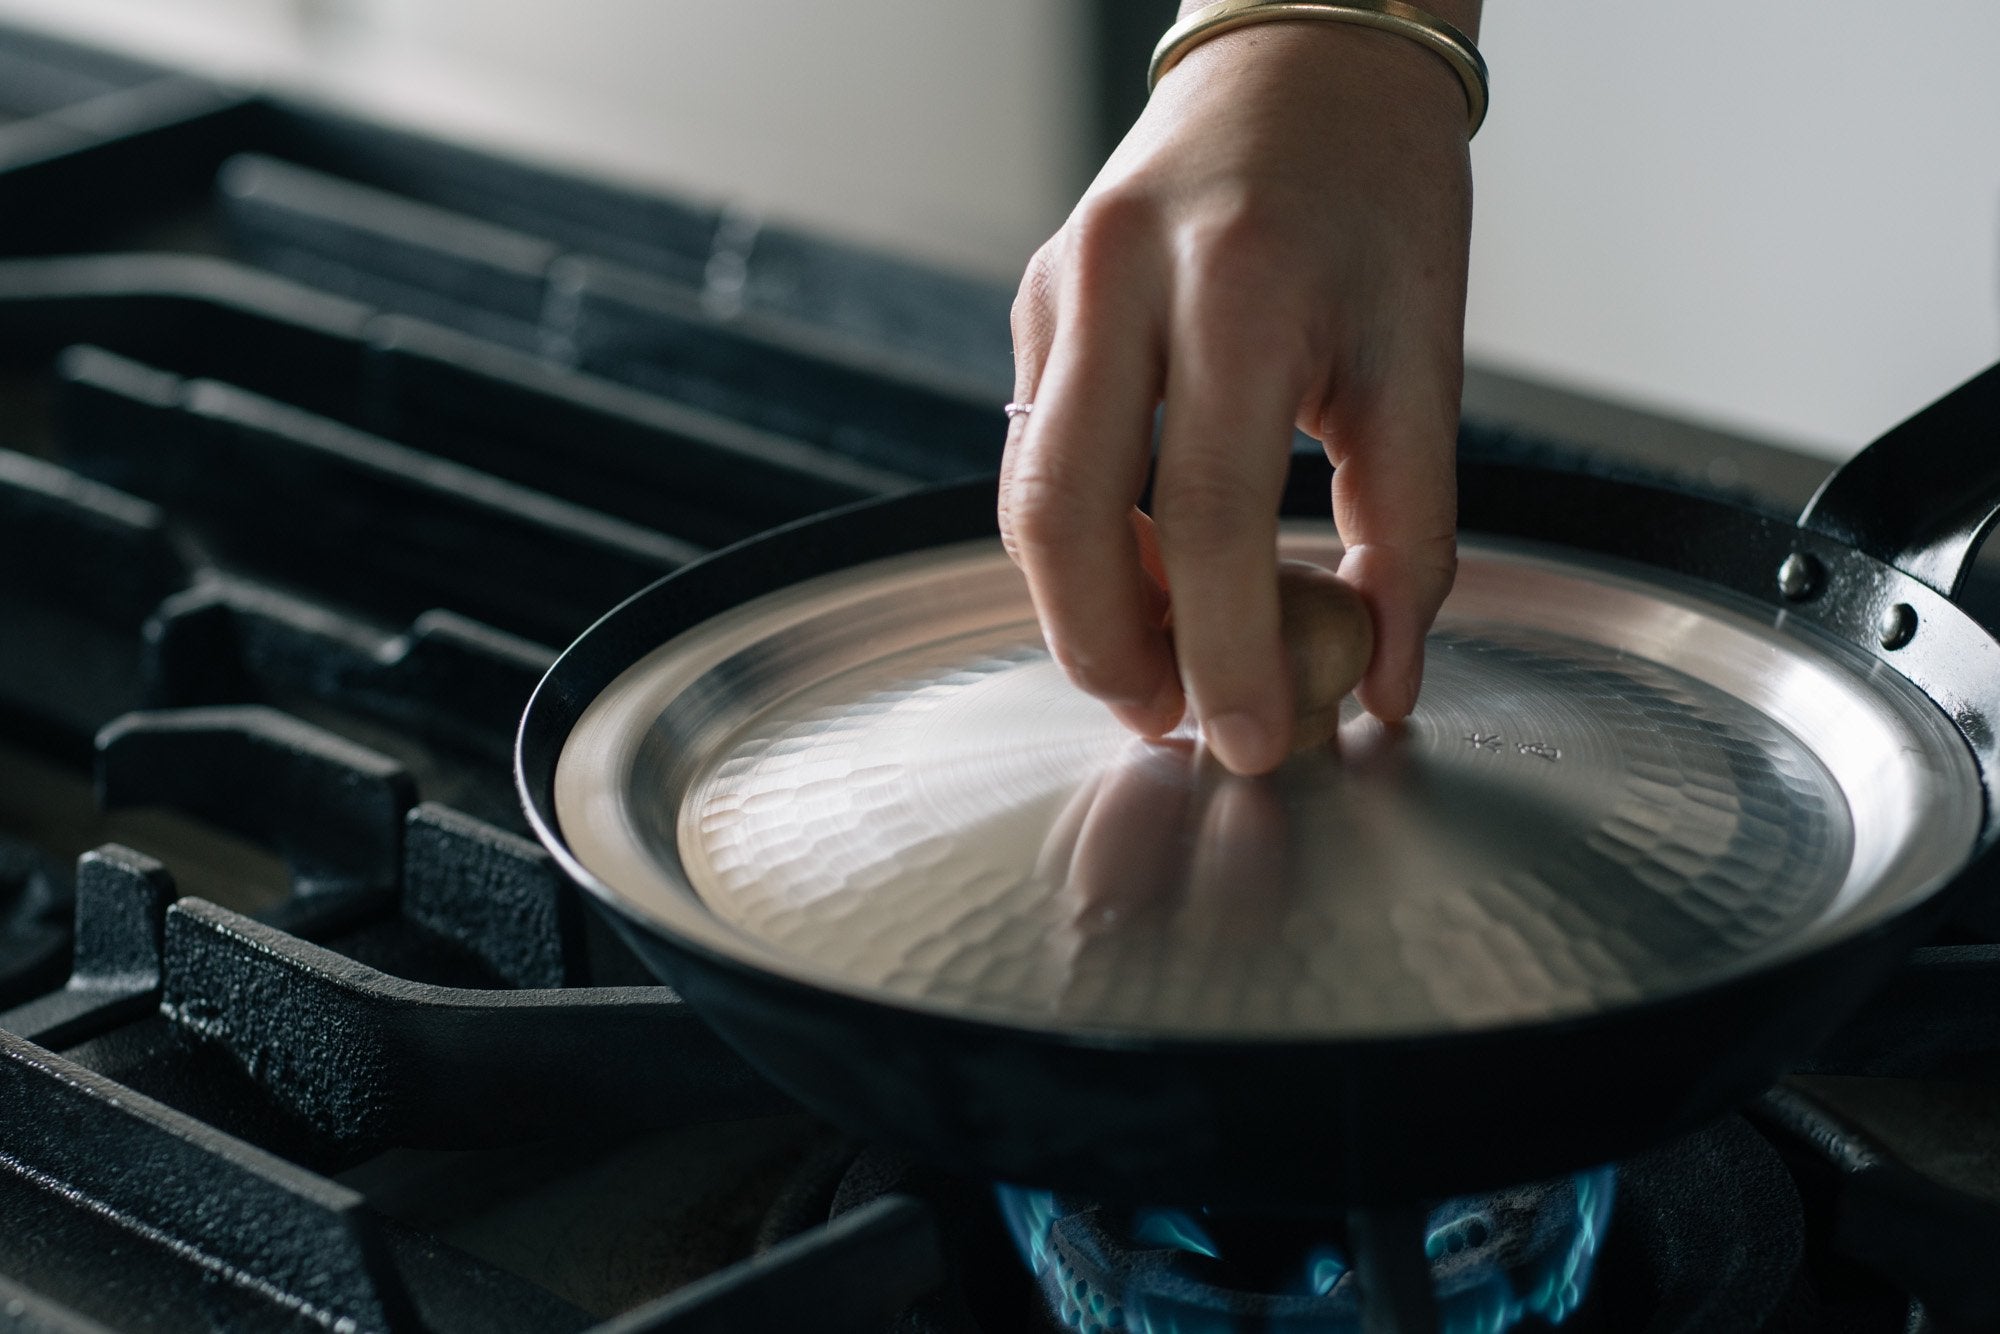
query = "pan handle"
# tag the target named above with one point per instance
(1922, 497)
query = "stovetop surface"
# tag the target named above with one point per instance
(317, 441)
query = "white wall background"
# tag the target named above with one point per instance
(1782, 216)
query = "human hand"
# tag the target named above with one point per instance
(1281, 239)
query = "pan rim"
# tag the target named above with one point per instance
(769, 964)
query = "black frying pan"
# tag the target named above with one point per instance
(1842, 626)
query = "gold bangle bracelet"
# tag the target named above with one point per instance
(1394, 16)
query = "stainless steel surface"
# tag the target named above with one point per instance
(1613, 790)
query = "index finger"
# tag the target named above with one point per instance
(1075, 470)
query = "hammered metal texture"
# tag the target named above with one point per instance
(1557, 829)
(1608, 793)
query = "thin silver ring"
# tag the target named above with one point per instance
(1014, 410)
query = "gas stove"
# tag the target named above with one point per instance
(320, 440)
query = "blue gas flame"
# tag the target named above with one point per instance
(1491, 1301)
(1173, 1228)
(1324, 1268)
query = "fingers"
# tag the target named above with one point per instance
(1074, 467)
(1224, 452)
(1100, 340)
(1395, 500)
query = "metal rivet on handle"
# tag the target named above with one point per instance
(1895, 626)
(1799, 576)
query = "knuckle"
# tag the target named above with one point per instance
(1227, 287)
(1040, 510)
(1041, 267)
(1098, 673)
(1112, 219)
(1442, 569)
(1008, 542)
(1105, 231)
(1231, 250)
(1432, 558)
(1029, 312)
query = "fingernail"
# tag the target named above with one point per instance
(1242, 742)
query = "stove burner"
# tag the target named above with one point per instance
(1497, 1261)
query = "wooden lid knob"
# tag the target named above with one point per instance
(1329, 638)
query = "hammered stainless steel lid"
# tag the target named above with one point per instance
(1615, 789)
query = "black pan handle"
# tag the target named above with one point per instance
(1923, 497)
